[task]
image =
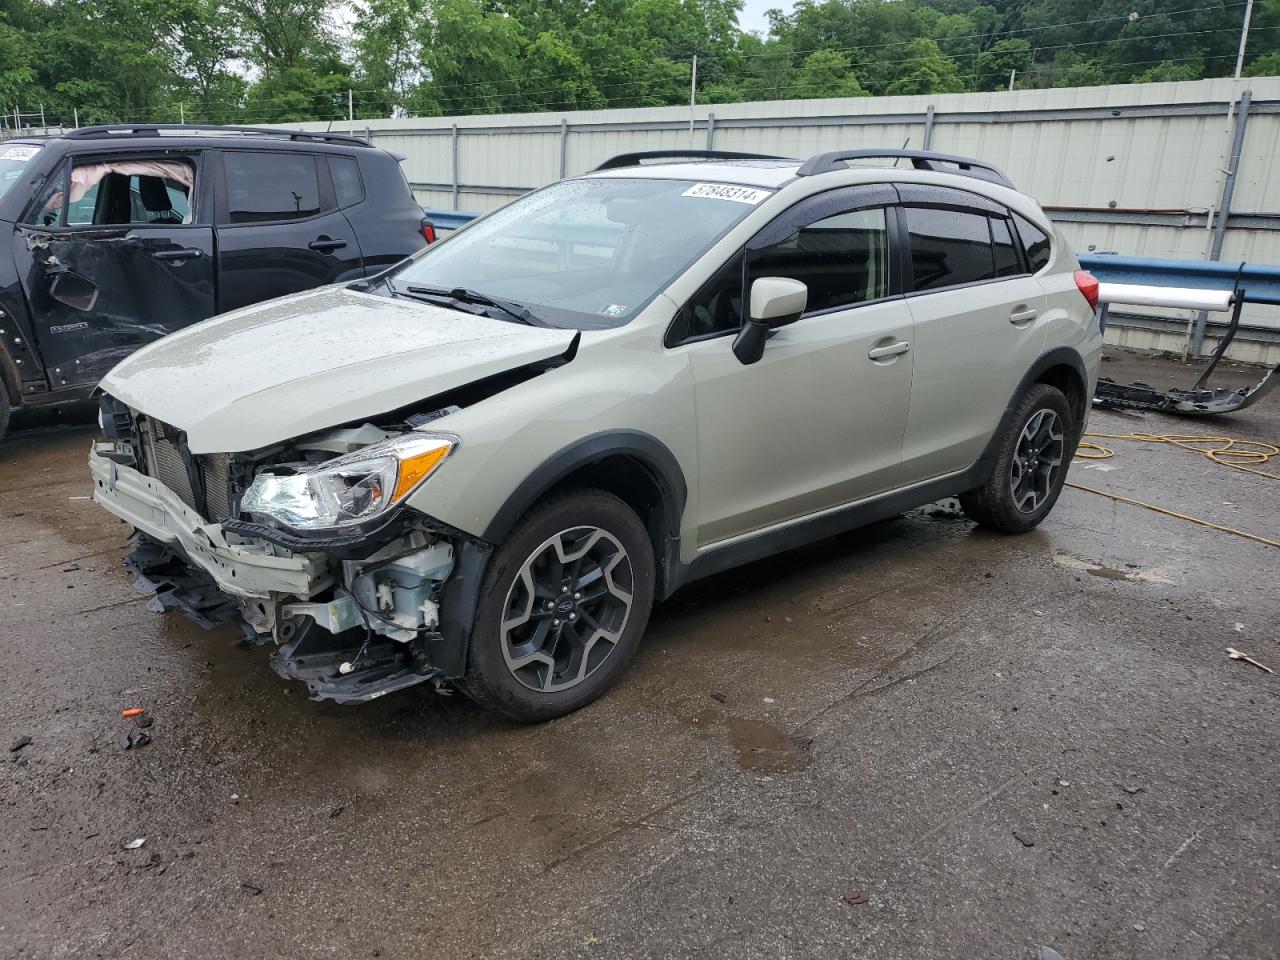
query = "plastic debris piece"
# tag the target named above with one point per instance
(132, 712)
(1024, 838)
(135, 844)
(250, 888)
(719, 697)
(855, 898)
(1235, 654)
(23, 741)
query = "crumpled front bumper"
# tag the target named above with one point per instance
(242, 570)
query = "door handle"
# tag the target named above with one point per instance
(1023, 315)
(890, 350)
(182, 253)
(324, 244)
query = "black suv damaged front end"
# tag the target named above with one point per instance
(356, 609)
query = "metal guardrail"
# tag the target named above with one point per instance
(1261, 281)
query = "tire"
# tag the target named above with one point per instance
(1030, 469)
(4, 410)
(531, 658)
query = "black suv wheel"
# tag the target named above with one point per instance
(1031, 466)
(562, 607)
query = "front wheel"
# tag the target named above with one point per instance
(562, 607)
(1031, 464)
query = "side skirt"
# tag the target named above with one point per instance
(828, 524)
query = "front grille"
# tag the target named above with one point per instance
(165, 463)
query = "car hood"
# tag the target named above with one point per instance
(285, 368)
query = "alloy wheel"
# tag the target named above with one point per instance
(567, 608)
(1036, 461)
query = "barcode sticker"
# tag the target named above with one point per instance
(726, 191)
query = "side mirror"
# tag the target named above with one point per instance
(775, 302)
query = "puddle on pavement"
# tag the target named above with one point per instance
(1133, 574)
(763, 748)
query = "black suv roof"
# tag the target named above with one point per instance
(177, 134)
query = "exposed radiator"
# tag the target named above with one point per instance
(165, 463)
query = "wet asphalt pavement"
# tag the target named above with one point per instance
(916, 741)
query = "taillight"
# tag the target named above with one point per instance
(428, 230)
(1087, 284)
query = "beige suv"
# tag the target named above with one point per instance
(482, 468)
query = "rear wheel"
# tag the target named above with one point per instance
(562, 607)
(4, 410)
(1031, 464)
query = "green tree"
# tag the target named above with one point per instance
(825, 73)
(995, 64)
(925, 70)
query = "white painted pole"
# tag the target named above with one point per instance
(1012, 74)
(1244, 37)
(693, 92)
(182, 114)
(351, 112)
(75, 112)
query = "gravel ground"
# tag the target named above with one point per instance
(916, 741)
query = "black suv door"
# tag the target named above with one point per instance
(279, 228)
(113, 255)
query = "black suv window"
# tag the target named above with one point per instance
(122, 191)
(347, 185)
(843, 259)
(949, 247)
(1034, 241)
(265, 186)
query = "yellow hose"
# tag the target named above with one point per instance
(1228, 451)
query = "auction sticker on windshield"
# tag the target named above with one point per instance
(725, 191)
(18, 152)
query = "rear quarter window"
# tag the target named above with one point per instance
(1035, 241)
(348, 187)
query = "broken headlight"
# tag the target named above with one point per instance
(350, 489)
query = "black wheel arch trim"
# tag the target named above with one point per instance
(646, 449)
(471, 558)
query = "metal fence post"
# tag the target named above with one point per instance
(564, 146)
(1224, 208)
(711, 131)
(928, 128)
(455, 166)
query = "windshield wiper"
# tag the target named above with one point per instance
(516, 311)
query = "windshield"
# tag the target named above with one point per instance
(585, 254)
(15, 161)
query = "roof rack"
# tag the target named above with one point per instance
(126, 130)
(920, 159)
(634, 159)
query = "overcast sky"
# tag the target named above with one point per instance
(753, 13)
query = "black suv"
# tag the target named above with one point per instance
(111, 237)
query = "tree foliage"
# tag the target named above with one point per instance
(280, 60)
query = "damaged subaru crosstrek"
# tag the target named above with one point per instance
(481, 468)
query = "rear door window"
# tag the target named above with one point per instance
(1008, 263)
(949, 247)
(264, 186)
